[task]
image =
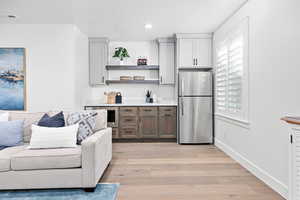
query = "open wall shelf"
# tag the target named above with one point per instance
(133, 81)
(132, 67)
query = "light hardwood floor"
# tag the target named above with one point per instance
(167, 171)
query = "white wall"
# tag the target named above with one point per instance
(136, 49)
(81, 59)
(57, 66)
(274, 70)
(56, 54)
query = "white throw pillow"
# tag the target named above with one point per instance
(4, 117)
(46, 137)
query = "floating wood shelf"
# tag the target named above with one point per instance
(196, 68)
(292, 120)
(133, 81)
(132, 67)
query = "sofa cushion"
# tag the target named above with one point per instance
(101, 119)
(86, 121)
(49, 137)
(33, 118)
(11, 133)
(29, 119)
(54, 112)
(46, 159)
(57, 120)
(5, 156)
(4, 117)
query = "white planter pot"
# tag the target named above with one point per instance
(121, 62)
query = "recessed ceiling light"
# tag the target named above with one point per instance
(148, 26)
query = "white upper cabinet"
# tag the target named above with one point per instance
(166, 61)
(186, 48)
(194, 50)
(203, 53)
(98, 59)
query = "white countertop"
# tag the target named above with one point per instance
(132, 103)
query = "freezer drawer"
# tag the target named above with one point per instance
(195, 120)
(195, 83)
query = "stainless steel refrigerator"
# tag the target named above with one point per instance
(195, 99)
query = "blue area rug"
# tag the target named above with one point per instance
(102, 192)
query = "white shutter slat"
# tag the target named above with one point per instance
(236, 49)
(222, 61)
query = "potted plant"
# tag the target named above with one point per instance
(121, 53)
(148, 96)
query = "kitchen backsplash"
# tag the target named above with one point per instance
(133, 91)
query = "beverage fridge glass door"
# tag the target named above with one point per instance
(195, 120)
(193, 83)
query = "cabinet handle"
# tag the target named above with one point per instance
(193, 61)
(147, 110)
(196, 61)
(102, 79)
(167, 115)
(160, 79)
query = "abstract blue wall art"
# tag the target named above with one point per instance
(12, 79)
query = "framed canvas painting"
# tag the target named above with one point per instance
(12, 79)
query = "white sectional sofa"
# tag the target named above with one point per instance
(81, 167)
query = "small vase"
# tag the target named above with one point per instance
(148, 99)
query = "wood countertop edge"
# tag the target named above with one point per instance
(290, 120)
(134, 105)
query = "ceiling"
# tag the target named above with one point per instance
(123, 19)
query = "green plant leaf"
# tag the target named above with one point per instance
(121, 52)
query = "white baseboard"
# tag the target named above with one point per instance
(275, 184)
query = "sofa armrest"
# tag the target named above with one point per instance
(96, 155)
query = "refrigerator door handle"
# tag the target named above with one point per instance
(182, 86)
(182, 109)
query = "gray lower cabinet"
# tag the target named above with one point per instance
(115, 133)
(167, 122)
(148, 122)
(128, 122)
(128, 132)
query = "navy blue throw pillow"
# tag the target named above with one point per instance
(57, 120)
(45, 116)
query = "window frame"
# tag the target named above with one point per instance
(224, 41)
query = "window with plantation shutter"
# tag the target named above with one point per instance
(235, 75)
(231, 73)
(221, 78)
